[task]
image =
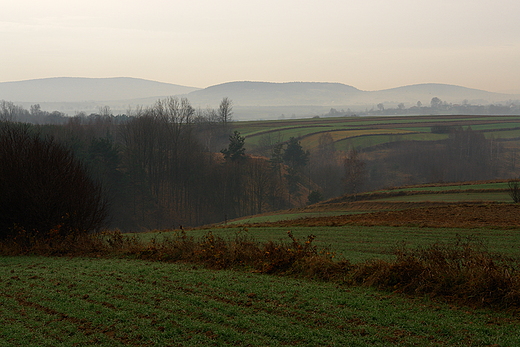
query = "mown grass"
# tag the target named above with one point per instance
(123, 302)
(312, 139)
(373, 140)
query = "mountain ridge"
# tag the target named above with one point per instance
(79, 89)
(338, 94)
(250, 98)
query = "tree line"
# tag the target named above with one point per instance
(436, 106)
(171, 165)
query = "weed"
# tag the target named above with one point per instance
(464, 271)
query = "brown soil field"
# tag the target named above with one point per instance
(441, 216)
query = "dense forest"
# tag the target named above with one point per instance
(171, 165)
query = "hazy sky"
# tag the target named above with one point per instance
(369, 44)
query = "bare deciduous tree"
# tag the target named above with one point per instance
(225, 111)
(355, 172)
(514, 190)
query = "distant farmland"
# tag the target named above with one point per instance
(362, 132)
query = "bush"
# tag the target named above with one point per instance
(314, 197)
(463, 272)
(45, 191)
(296, 257)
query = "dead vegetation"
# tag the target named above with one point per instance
(463, 272)
(428, 214)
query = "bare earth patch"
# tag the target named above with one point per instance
(449, 216)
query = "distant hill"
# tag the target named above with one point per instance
(251, 100)
(337, 94)
(446, 92)
(78, 89)
(276, 94)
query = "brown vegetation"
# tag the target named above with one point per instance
(463, 272)
(437, 215)
(298, 257)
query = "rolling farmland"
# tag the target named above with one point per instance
(361, 132)
(126, 299)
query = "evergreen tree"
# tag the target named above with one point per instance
(294, 155)
(235, 151)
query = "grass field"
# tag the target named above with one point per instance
(448, 193)
(361, 132)
(122, 302)
(361, 243)
(374, 140)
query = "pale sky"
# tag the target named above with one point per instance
(369, 44)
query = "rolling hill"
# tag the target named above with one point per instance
(337, 94)
(252, 100)
(277, 94)
(77, 89)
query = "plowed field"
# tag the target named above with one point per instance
(449, 216)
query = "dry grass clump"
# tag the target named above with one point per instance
(55, 243)
(463, 272)
(295, 257)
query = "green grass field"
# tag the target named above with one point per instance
(451, 193)
(122, 302)
(375, 130)
(361, 243)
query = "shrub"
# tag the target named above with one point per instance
(296, 257)
(463, 272)
(45, 191)
(314, 197)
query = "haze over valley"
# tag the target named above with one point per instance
(251, 100)
(262, 173)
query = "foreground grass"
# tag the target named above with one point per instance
(123, 302)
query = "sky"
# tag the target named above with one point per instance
(368, 44)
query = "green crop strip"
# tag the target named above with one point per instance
(66, 302)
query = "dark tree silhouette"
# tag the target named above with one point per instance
(235, 150)
(43, 187)
(514, 190)
(294, 155)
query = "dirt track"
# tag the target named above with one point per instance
(453, 216)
